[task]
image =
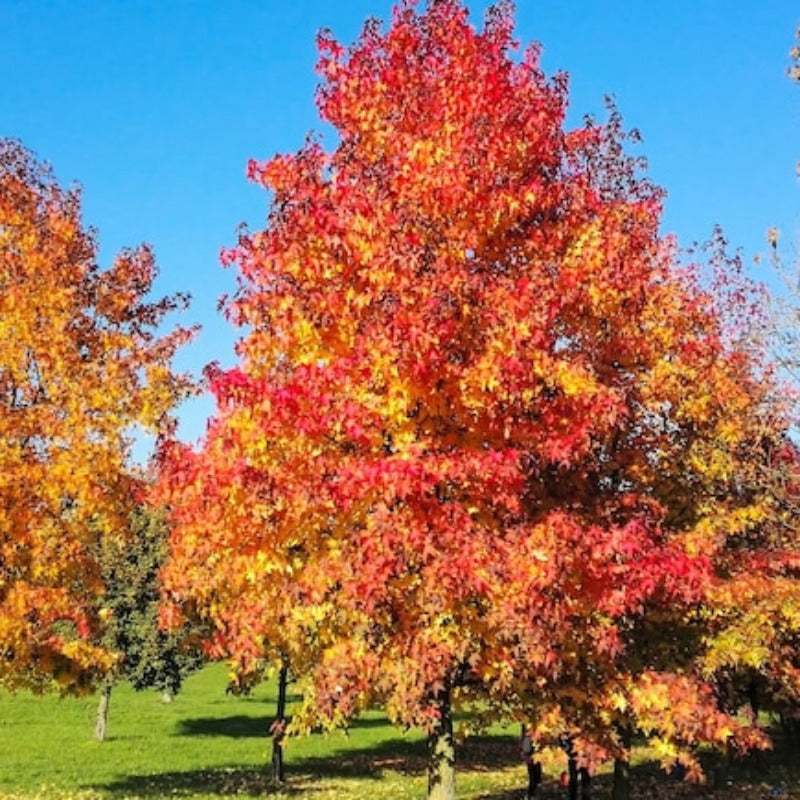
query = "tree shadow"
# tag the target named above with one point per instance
(408, 757)
(771, 773)
(242, 726)
(302, 774)
(242, 780)
(647, 783)
(547, 790)
(487, 753)
(778, 767)
(238, 726)
(405, 757)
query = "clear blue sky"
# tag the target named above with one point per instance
(154, 106)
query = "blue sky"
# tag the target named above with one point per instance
(154, 106)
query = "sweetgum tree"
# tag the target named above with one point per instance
(81, 364)
(754, 635)
(480, 439)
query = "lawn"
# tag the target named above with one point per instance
(208, 745)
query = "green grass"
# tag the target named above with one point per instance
(208, 745)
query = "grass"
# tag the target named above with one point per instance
(207, 745)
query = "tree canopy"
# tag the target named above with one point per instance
(82, 365)
(484, 440)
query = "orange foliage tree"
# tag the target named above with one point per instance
(80, 366)
(480, 440)
(754, 632)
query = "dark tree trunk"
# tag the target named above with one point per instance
(278, 727)
(622, 770)
(576, 777)
(586, 784)
(572, 772)
(442, 754)
(101, 722)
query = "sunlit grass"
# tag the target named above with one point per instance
(209, 745)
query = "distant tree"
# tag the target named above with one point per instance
(794, 55)
(83, 362)
(150, 656)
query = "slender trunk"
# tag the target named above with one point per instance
(283, 682)
(586, 783)
(622, 770)
(572, 781)
(101, 722)
(442, 754)
(278, 727)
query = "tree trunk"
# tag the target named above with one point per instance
(101, 722)
(278, 727)
(572, 777)
(586, 783)
(442, 754)
(622, 770)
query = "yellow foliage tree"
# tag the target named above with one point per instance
(81, 367)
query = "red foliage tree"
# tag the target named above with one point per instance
(473, 446)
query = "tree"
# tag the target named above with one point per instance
(754, 641)
(81, 367)
(482, 428)
(230, 571)
(151, 657)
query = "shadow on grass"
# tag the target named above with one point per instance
(487, 753)
(408, 758)
(773, 773)
(778, 767)
(477, 754)
(245, 780)
(401, 756)
(242, 726)
(646, 784)
(234, 727)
